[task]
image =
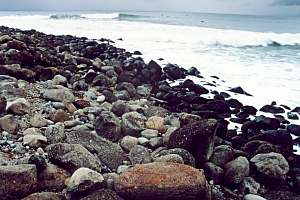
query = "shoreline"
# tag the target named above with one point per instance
(70, 103)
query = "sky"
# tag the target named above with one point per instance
(265, 7)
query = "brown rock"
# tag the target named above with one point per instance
(53, 178)
(3, 104)
(156, 123)
(17, 181)
(160, 180)
(81, 103)
(70, 107)
(59, 116)
(9, 123)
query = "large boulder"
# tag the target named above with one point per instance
(17, 181)
(110, 154)
(198, 138)
(161, 180)
(61, 95)
(271, 165)
(72, 157)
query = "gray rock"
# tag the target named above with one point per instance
(39, 121)
(187, 157)
(222, 155)
(61, 95)
(156, 111)
(128, 142)
(120, 108)
(9, 123)
(139, 155)
(109, 153)
(237, 170)
(272, 165)
(144, 90)
(103, 194)
(197, 138)
(72, 157)
(133, 123)
(34, 140)
(84, 180)
(166, 136)
(59, 80)
(249, 185)
(155, 142)
(108, 126)
(55, 133)
(17, 181)
(44, 196)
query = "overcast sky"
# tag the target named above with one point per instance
(220, 6)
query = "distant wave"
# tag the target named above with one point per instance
(95, 16)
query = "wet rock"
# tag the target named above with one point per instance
(58, 95)
(9, 123)
(128, 142)
(72, 157)
(294, 129)
(297, 110)
(237, 170)
(271, 165)
(44, 196)
(84, 180)
(52, 178)
(196, 138)
(156, 123)
(133, 123)
(261, 123)
(110, 154)
(162, 181)
(293, 116)
(81, 103)
(139, 155)
(120, 108)
(18, 107)
(149, 133)
(187, 157)
(272, 109)
(108, 126)
(198, 89)
(174, 158)
(17, 181)
(239, 90)
(174, 72)
(156, 111)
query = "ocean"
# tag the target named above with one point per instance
(259, 53)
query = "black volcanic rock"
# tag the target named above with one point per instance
(272, 109)
(239, 90)
(294, 129)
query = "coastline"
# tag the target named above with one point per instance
(69, 103)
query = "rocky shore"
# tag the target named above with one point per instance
(82, 119)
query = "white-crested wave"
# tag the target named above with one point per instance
(121, 16)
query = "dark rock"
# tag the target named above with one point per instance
(103, 194)
(3, 104)
(237, 170)
(174, 72)
(38, 161)
(120, 108)
(109, 96)
(218, 106)
(294, 129)
(272, 109)
(72, 157)
(239, 90)
(108, 126)
(293, 116)
(129, 87)
(261, 123)
(198, 89)
(133, 123)
(250, 109)
(137, 53)
(44, 196)
(213, 172)
(110, 154)
(197, 138)
(222, 155)
(297, 110)
(187, 157)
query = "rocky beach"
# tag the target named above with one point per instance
(83, 119)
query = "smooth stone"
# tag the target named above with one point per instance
(59, 80)
(18, 107)
(128, 142)
(34, 140)
(222, 155)
(83, 180)
(103, 194)
(174, 158)
(44, 196)
(59, 116)
(156, 123)
(9, 123)
(163, 181)
(214, 172)
(39, 121)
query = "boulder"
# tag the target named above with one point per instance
(271, 165)
(197, 138)
(44, 196)
(133, 123)
(237, 170)
(103, 194)
(17, 181)
(72, 156)
(156, 123)
(222, 155)
(139, 155)
(128, 142)
(110, 154)
(161, 180)
(9, 123)
(18, 107)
